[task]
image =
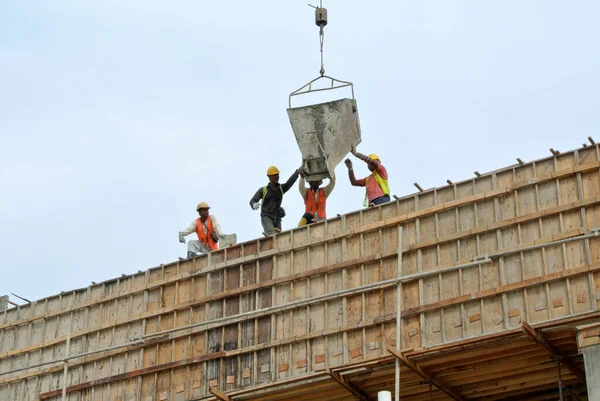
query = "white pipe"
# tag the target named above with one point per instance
(384, 396)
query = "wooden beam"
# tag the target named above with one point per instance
(219, 394)
(418, 370)
(539, 338)
(133, 373)
(353, 389)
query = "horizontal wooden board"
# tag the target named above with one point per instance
(472, 260)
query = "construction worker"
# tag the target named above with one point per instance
(272, 195)
(315, 199)
(208, 229)
(377, 188)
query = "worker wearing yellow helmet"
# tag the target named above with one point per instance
(271, 196)
(376, 185)
(208, 230)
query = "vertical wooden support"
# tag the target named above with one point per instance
(66, 365)
(398, 313)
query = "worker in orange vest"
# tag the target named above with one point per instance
(208, 230)
(376, 185)
(315, 199)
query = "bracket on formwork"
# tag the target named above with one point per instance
(354, 390)
(219, 394)
(425, 375)
(3, 303)
(538, 338)
(325, 132)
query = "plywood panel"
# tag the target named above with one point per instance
(203, 299)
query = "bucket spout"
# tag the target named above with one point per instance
(325, 133)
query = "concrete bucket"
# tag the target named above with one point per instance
(325, 132)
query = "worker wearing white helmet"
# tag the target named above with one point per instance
(208, 230)
(272, 195)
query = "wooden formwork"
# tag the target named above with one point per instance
(474, 259)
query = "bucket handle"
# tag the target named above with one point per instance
(302, 90)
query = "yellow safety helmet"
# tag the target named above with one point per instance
(272, 170)
(374, 157)
(202, 205)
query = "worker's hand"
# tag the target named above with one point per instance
(256, 206)
(348, 163)
(215, 236)
(181, 238)
(298, 170)
(353, 150)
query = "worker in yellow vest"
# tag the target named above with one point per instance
(376, 185)
(271, 196)
(315, 199)
(208, 230)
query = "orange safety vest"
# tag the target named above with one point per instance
(206, 238)
(318, 205)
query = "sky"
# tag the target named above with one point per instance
(118, 117)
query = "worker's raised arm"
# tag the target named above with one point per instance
(257, 197)
(329, 187)
(353, 180)
(371, 162)
(288, 184)
(302, 187)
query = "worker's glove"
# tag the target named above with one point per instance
(256, 206)
(181, 239)
(348, 163)
(353, 150)
(214, 236)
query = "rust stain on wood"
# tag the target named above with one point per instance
(284, 367)
(557, 303)
(320, 358)
(514, 313)
(355, 353)
(474, 318)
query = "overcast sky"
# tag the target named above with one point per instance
(118, 117)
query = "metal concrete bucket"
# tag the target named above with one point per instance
(325, 132)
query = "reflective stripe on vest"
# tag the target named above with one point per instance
(265, 190)
(317, 205)
(206, 238)
(383, 184)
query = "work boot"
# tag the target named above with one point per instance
(302, 222)
(191, 254)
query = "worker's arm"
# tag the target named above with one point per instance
(329, 188)
(353, 180)
(302, 188)
(257, 197)
(216, 225)
(371, 162)
(192, 228)
(288, 184)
